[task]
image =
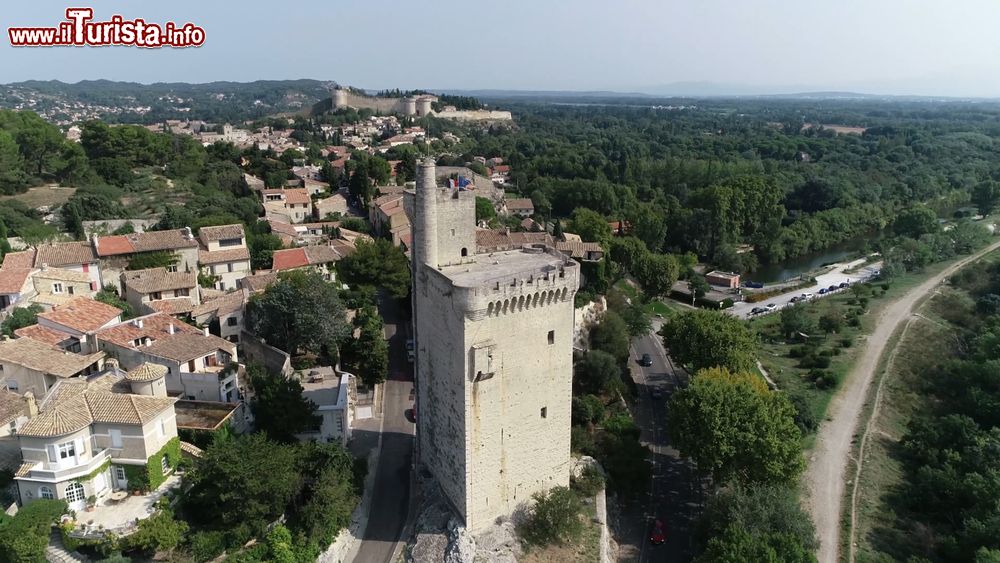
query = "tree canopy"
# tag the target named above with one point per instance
(706, 339)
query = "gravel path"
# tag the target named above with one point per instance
(824, 478)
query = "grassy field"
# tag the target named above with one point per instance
(42, 196)
(152, 195)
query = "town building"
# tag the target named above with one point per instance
(333, 395)
(224, 254)
(89, 435)
(117, 251)
(78, 320)
(291, 205)
(222, 315)
(319, 257)
(494, 361)
(729, 280)
(76, 256)
(27, 365)
(15, 277)
(520, 206)
(159, 289)
(56, 286)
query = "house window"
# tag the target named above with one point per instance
(116, 438)
(69, 290)
(172, 268)
(74, 492)
(57, 288)
(93, 286)
(163, 428)
(232, 321)
(185, 292)
(230, 242)
(552, 337)
(465, 252)
(120, 474)
(45, 492)
(164, 464)
(12, 385)
(230, 266)
(155, 296)
(67, 450)
(545, 412)
(86, 267)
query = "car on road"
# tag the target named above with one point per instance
(657, 393)
(659, 533)
(823, 291)
(771, 306)
(796, 299)
(832, 288)
(807, 295)
(844, 284)
(757, 310)
(409, 350)
(646, 360)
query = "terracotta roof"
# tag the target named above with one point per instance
(282, 227)
(42, 334)
(65, 254)
(228, 303)
(15, 270)
(39, 356)
(579, 249)
(219, 256)
(12, 406)
(147, 372)
(297, 195)
(73, 405)
(289, 258)
(149, 241)
(186, 346)
(172, 306)
(258, 283)
(82, 314)
(221, 232)
(520, 203)
(490, 240)
(62, 274)
(388, 198)
(154, 326)
(158, 279)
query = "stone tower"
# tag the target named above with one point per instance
(494, 362)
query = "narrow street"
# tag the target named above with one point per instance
(672, 497)
(391, 496)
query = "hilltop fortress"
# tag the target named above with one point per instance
(411, 106)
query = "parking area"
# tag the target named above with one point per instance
(836, 280)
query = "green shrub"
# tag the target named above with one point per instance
(206, 546)
(846, 342)
(160, 532)
(555, 518)
(621, 425)
(590, 481)
(581, 440)
(24, 537)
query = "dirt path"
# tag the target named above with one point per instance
(824, 478)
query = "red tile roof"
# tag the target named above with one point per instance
(41, 334)
(289, 259)
(155, 326)
(297, 195)
(15, 270)
(82, 314)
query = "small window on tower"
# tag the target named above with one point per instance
(545, 412)
(453, 232)
(465, 252)
(552, 337)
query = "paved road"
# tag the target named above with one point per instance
(673, 497)
(836, 276)
(390, 499)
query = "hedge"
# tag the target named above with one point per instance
(151, 476)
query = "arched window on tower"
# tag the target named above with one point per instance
(465, 252)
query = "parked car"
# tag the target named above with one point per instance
(796, 299)
(659, 533)
(757, 310)
(832, 288)
(646, 360)
(771, 306)
(409, 350)
(823, 291)
(807, 295)
(844, 284)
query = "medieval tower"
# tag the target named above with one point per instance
(494, 361)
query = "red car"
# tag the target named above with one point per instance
(659, 533)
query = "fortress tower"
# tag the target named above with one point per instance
(494, 361)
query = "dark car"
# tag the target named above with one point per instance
(659, 533)
(843, 285)
(757, 310)
(646, 360)
(832, 288)
(823, 291)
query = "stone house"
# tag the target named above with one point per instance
(56, 286)
(116, 251)
(319, 257)
(78, 319)
(200, 366)
(520, 206)
(15, 277)
(158, 289)
(224, 254)
(31, 365)
(223, 315)
(291, 205)
(336, 203)
(75, 256)
(90, 437)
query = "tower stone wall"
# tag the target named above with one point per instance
(494, 337)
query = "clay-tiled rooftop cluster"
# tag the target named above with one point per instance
(82, 314)
(42, 357)
(145, 242)
(158, 279)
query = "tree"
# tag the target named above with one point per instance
(24, 537)
(279, 407)
(360, 186)
(555, 518)
(986, 196)
(704, 339)
(628, 254)
(735, 428)
(590, 226)
(370, 351)
(610, 335)
(596, 372)
(20, 317)
(246, 481)
(109, 296)
(759, 509)
(637, 320)
(484, 210)
(299, 313)
(736, 544)
(796, 320)
(916, 221)
(160, 532)
(698, 286)
(831, 322)
(657, 274)
(557, 230)
(377, 264)
(4, 245)
(12, 174)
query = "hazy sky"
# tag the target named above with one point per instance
(940, 47)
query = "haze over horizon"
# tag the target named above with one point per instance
(893, 47)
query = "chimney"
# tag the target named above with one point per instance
(137, 323)
(95, 240)
(186, 231)
(29, 400)
(171, 329)
(44, 266)
(205, 330)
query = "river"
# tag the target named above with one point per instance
(793, 267)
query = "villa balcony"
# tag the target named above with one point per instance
(43, 471)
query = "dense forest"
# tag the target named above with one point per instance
(709, 175)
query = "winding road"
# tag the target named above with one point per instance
(824, 478)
